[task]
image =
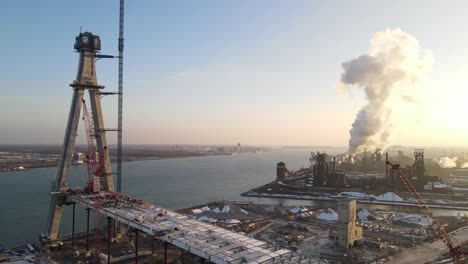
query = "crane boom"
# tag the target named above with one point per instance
(95, 171)
(91, 156)
(94, 168)
(455, 251)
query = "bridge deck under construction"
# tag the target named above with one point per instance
(205, 240)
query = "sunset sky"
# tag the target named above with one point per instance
(222, 72)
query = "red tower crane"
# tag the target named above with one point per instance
(94, 172)
(457, 252)
(95, 166)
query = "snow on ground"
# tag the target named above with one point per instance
(439, 201)
(410, 218)
(459, 202)
(226, 208)
(205, 209)
(389, 196)
(207, 219)
(363, 214)
(197, 211)
(233, 221)
(328, 215)
(353, 194)
(439, 185)
(295, 210)
(306, 214)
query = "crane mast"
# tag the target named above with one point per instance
(120, 98)
(92, 183)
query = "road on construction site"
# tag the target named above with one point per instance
(427, 252)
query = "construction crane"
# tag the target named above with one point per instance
(95, 170)
(457, 252)
(94, 165)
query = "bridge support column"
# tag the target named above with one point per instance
(73, 225)
(136, 246)
(165, 252)
(109, 220)
(87, 229)
(154, 248)
(130, 231)
(182, 256)
(115, 226)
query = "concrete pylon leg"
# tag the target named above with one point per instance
(165, 253)
(101, 140)
(60, 180)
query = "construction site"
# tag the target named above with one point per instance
(345, 228)
(373, 180)
(133, 226)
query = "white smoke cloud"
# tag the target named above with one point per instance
(464, 165)
(447, 162)
(394, 61)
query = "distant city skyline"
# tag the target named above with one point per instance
(222, 72)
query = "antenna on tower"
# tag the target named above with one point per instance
(120, 95)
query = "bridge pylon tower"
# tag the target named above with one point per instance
(88, 46)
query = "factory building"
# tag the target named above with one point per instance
(281, 171)
(322, 174)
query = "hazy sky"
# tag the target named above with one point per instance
(255, 72)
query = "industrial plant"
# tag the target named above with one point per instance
(363, 171)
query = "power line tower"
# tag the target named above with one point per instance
(89, 46)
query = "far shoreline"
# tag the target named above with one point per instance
(52, 165)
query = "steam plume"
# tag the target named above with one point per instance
(394, 60)
(447, 162)
(464, 165)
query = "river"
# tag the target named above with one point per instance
(172, 183)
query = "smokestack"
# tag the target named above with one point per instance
(386, 166)
(334, 164)
(364, 160)
(393, 60)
